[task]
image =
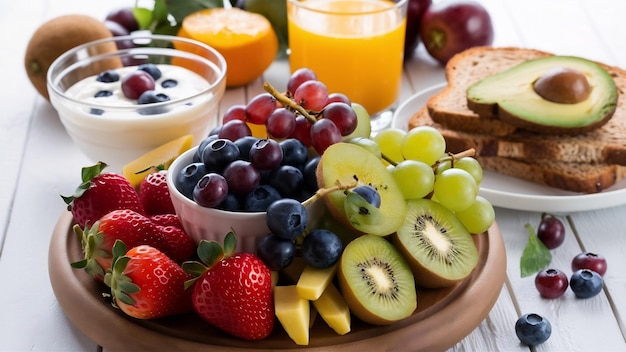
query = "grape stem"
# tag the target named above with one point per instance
(450, 156)
(324, 191)
(286, 101)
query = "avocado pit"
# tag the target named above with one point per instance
(563, 85)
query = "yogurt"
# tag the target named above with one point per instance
(117, 130)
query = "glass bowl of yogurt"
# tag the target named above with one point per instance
(114, 113)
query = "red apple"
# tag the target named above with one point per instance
(414, 12)
(451, 26)
(125, 17)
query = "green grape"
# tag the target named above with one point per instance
(363, 125)
(388, 141)
(472, 166)
(367, 144)
(466, 163)
(478, 217)
(455, 189)
(415, 178)
(423, 143)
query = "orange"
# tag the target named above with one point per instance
(245, 39)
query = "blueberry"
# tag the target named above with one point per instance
(533, 329)
(321, 248)
(152, 69)
(369, 193)
(230, 203)
(103, 94)
(188, 177)
(169, 83)
(108, 76)
(287, 180)
(94, 111)
(286, 218)
(586, 283)
(276, 252)
(244, 144)
(219, 153)
(197, 156)
(151, 97)
(295, 153)
(309, 172)
(260, 198)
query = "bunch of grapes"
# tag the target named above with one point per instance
(419, 164)
(306, 111)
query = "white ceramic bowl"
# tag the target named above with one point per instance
(120, 133)
(213, 224)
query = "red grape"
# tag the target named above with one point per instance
(266, 154)
(311, 95)
(302, 131)
(551, 231)
(233, 130)
(551, 283)
(137, 82)
(342, 115)
(281, 123)
(260, 107)
(211, 190)
(235, 112)
(242, 177)
(590, 261)
(298, 77)
(324, 133)
(125, 17)
(339, 98)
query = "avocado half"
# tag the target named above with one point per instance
(510, 96)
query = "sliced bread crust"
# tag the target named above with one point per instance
(538, 163)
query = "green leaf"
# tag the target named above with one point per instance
(535, 256)
(230, 243)
(210, 252)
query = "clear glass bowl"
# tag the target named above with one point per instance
(119, 132)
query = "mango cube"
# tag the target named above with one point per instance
(332, 307)
(313, 281)
(293, 312)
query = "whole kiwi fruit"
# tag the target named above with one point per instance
(435, 243)
(55, 37)
(376, 281)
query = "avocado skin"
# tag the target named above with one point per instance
(510, 97)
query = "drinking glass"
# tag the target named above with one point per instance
(355, 47)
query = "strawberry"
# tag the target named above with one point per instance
(167, 220)
(154, 194)
(232, 292)
(131, 228)
(100, 193)
(177, 242)
(147, 284)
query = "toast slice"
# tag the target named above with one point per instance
(450, 108)
(575, 177)
(539, 166)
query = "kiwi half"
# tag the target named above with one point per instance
(376, 281)
(435, 243)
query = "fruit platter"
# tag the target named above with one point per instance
(332, 239)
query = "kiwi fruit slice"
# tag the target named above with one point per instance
(435, 243)
(376, 281)
(347, 164)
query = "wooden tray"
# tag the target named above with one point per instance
(443, 317)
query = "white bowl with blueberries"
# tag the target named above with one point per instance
(227, 184)
(118, 98)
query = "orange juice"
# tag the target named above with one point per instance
(354, 46)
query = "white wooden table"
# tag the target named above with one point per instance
(39, 162)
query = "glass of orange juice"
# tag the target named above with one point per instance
(355, 47)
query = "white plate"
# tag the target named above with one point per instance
(512, 193)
